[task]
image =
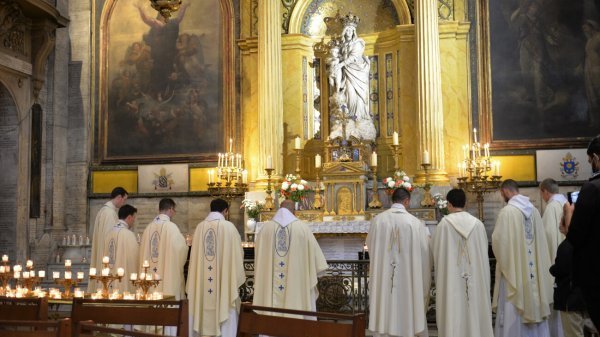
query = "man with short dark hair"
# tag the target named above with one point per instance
(462, 272)
(165, 249)
(400, 271)
(523, 289)
(106, 218)
(584, 235)
(215, 274)
(123, 249)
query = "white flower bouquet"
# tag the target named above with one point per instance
(293, 188)
(398, 180)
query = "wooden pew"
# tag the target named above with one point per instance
(27, 328)
(86, 314)
(32, 309)
(327, 324)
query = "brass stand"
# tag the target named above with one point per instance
(396, 153)
(5, 276)
(298, 159)
(106, 280)
(318, 203)
(145, 284)
(30, 282)
(427, 199)
(269, 199)
(67, 283)
(479, 184)
(375, 203)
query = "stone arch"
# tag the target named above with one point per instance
(297, 15)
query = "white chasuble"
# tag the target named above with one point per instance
(288, 260)
(104, 222)
(552, 217)
(523, 282)
(462, 277)
(164, 247)
(123, 250)
(400, 273)
(216, 272)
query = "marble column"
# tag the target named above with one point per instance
(270, 97)
(429, 92)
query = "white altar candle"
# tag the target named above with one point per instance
(67, 263)
(1, 269)
(244, 177)
(42, 273)
(4, 258)
(142, 276)
(55, 275)
(297, 143)
(120, 272)
(269, 162)
(17, 275)
(133, 276)
(317, 161)
(230, 145)
(25, 274)
(426, 157)
(29, 264)
(497, 170)
(474, 135)
(146, 264)
(105, 271)
(374, 158)
(92, 271)
(486, 149)
(156, 276)
(105, 259)
(68, 275)
(149, 277)
(395, 140)
(80, 275)
(17, 267)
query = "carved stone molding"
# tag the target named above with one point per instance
(43, 38)
(14, 29)
(288, 7)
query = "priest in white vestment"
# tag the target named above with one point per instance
(216, 272)
(400, 272)
(288, 259)
(106, 218)
(165, 249)
(523, 289)
(122, 249)
(462, 272)
(552, 218)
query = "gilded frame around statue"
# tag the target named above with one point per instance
(162, 92)
(519, 104)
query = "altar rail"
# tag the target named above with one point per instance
(344, 287)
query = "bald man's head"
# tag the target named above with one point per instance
(289, 205)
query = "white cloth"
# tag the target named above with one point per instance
(552, 218)
(462, 277)
(284, 217)
(164, 247)
(105, 220)
(123, 251)
(522, 260)
(509, 322)
(216, 272)
(400, 273)
(287, 262)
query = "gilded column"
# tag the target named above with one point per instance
(429, 91)
(270, 97)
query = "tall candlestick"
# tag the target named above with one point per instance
(318, 161)
(395, 140)
(486, 149)
(297, 143)
(474, 135)
(230, 145)
(269, 162)
(374, 158)
(244, 177)
(426, 157)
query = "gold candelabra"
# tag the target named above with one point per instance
(375, 202)
(5, 274)
(144, 282)
(396, 153)
(231, 179)
(165, 7)
(28, 279)
(427, 199)
(318, 202)
(269, 199)
(105, 277)
(68, 281)
(477, 173)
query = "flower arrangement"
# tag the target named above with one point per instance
(294, 188)
(398, 180)
(441, 203)
(253, 207)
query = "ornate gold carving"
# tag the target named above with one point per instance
(344, 201)
(288, 8)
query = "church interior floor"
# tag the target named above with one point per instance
(432, 331)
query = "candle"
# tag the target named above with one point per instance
(149, 277)
(78, 293)
(474, 135)
(395, 138)
(1, 269)
(29, 264)
(120, 272)
(244, 177)
(486, 149)
(133, 276)
(105, 259)
(55, 274)
(219, 160)
(42, 273)
(297, 143)
(67, 275)
(269, 162)
(156, 276)
(105, 271)
(465, 151)
(145, 264)
(426, 157)
(92, 271)
(318, 161)
(497, 170)
(4, 258)
(25, 274)
(17, 275)
(67, 263)
(17, 267)
(80, 275)
(230, 145)
(142, 276)
(374, 158)
(209, 176)
(32, 273)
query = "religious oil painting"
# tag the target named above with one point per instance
(161, 82)
(545, 71)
